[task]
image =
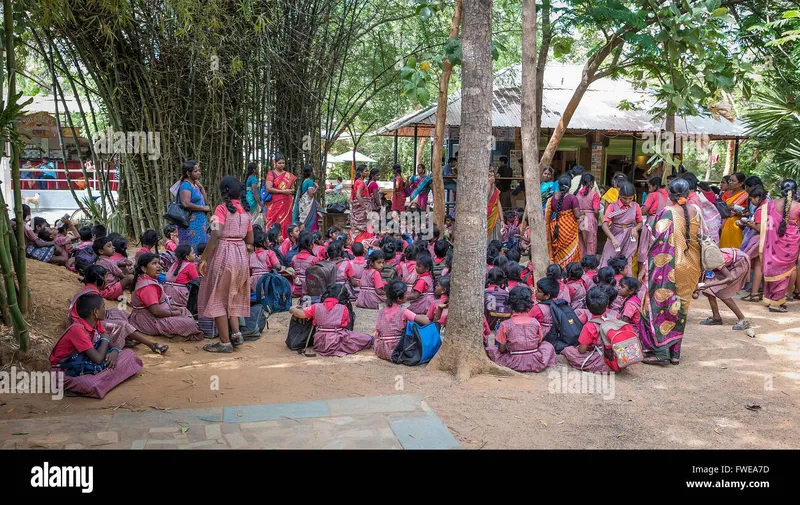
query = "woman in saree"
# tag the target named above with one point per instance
(494, 211)
(252, 195)
(193, 199)
(588, 207)
(374, 191)
(621, 224)
(305, 206)
(657, 199)
(780, 240)
(414, 182)
(673, 268)
(548, 186)
(358, 206)
(736, 200)
(281, 184)
(712, 221)
(561, 216)
(612, 195)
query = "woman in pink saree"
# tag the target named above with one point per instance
(589, 206)
(712, 221)
(780, 239)
(281, 185)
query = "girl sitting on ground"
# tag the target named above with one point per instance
(149, 244)
(620, 265)
(520, 339)
(330, 317)
(391, 322)
(302, 260)
(120, 250)
(359, 265)
(318, 247)
(290, 241)
(407, 270)
(171, 234)
(546, 289)
(345, 274)
(116, 320)
(85, 349)
(371, 293)
(117, 279)
(627, 291)
(587, 356)
(555, 271)
(262, 259)
(421, 295)
(180, 274)
(514, 275)
(589, 264)
(437, 311)
(577, 290)
(152, 313)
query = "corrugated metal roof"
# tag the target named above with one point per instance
(598, 110)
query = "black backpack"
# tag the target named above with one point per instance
(194, 291)
(566, 327)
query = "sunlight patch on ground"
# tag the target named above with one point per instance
(355, 358)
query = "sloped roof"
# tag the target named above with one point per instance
(598, 110)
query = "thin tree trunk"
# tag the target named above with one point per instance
(462, 352)
(729, 158)
(438, 136)
(420, 150)
(588, 76)
(531, 112)
(20, 326)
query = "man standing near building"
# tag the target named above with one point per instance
(503, 183)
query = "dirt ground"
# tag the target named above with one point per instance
(729, 392)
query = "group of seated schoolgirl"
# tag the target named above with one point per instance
(592, 294)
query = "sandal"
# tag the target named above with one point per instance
(159, 348)
(752, 298)
(237, 338)
(781, 309)
(742, 325)
(710, 321)
(131, 343)
(674, 361)
(218, 347)
(652, 360)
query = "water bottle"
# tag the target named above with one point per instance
(710, 274)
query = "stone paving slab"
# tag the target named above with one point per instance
(380, 422)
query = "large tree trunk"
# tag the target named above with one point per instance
(462, 352)
(588, 76)
(438, 136)
(532, 78)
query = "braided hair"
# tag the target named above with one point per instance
(587, 181)
(141, 263)
(564, 183)
(182, 252)
(679, 188)
(788, 191)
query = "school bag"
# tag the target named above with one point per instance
(290, 254)
(388, 274)
(265, 195)
(621, 345)
(319, 277)
(417, 345)
(167, 259)
(495, 307)
(566, 327)
(84, 258)
(300, 332)
(273, 292)
(438, 269)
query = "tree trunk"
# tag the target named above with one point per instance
(462, 352)
(670, 129)
(420, 150)
(531, 123)
(438, 136)
(588, 76)
(729, 157)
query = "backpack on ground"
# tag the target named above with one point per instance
(388, 274)
(438, 269)
(621, 344)
(319, 276)
(566, 327)
(495, 307)
(300, 332)
(194, 291)
(84, 258)
(417, 345)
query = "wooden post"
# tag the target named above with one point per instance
(736, 155)
(414, 162)
(633, 159)
(395, 145)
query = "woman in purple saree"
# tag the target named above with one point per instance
(780, 239)
(622, 222)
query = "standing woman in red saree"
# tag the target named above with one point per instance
(657, 199)
(281, 184)
(780, 239)
(561, 216)
(588, 207)
(494, 211)
(358, 205)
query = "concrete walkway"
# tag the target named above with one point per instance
(379, 422)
